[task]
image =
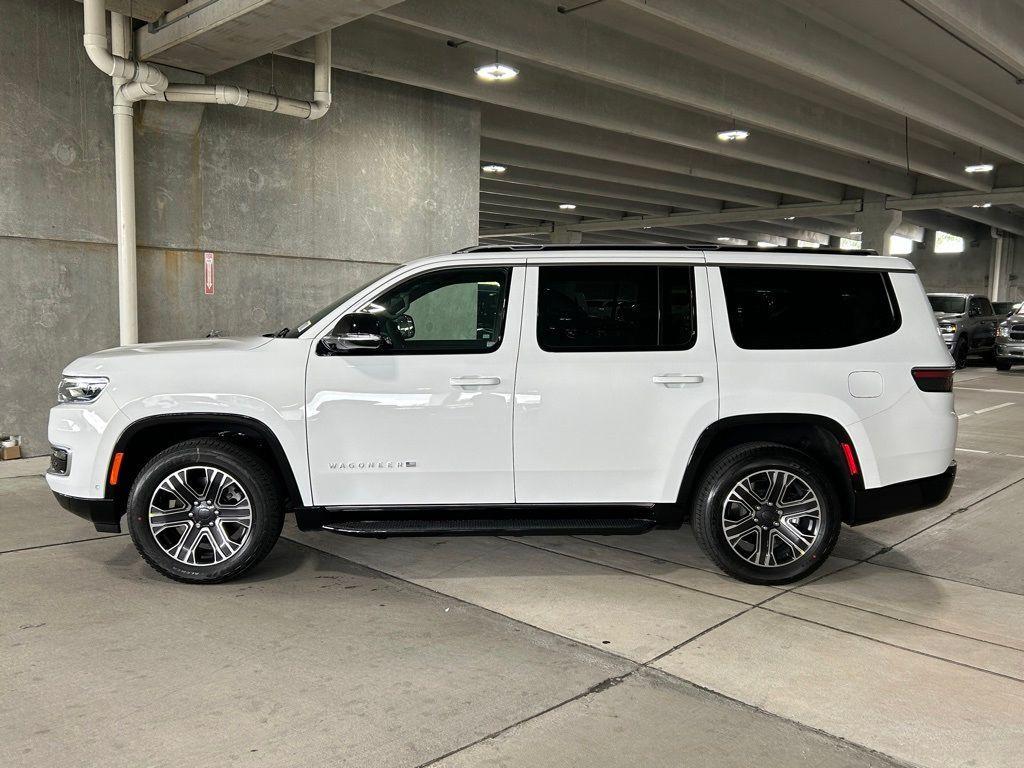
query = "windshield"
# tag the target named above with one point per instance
(316, 317)
(954, 305)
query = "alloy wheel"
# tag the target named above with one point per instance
(200, 516)
(771, 518)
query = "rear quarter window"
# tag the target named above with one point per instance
(797, 308)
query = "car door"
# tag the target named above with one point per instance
(427, 418)
(616, 379)
(983, 320)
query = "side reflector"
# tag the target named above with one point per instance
(933, 379)
(851, 460)
(115, 467)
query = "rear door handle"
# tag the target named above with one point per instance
(474, 381)
(678, 378)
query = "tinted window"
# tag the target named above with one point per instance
(615, 308)
(453, 310)
(954, 305)
(981, 306)
(777, 308)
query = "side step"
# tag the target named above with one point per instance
(490, 527)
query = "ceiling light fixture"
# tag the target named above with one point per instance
(856, 233)
(790, 218)
(567, 206)
(734, 134)
(982, 205)
(496, 72)
(494, 168)
(724, 239)
(979, 168)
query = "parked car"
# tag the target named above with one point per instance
(767, 399)
(1005, 308)
(967, 323)
(1010, 340)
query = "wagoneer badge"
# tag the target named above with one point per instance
(371, 464)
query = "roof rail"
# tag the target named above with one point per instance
(652, 247)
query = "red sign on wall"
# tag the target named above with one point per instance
(208, 273)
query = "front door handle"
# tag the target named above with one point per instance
(678, 378)
(474, 381)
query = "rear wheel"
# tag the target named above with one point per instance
(204, 511)
(1002, 364)
(766, 514)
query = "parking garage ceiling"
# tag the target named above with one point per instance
(618, 105)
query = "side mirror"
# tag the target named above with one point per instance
(974, 312)
(406, 326)
(358, 331)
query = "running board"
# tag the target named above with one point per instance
(490, 526)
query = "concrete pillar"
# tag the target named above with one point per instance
(996, 281)
(792, 242)
(835, 242)
(877, 223)
(562, 236)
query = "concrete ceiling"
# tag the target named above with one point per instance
(618, 102)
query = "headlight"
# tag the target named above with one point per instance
(947, 328)
(80, 389)
(1004, 331)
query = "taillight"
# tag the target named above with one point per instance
(933, 379)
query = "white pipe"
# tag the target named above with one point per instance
(113, 64)
(124, 182)
(236, 96)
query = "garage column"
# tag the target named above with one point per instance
(835, 242)
(877, 223)
(562, 236)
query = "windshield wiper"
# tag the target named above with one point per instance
(278, 335)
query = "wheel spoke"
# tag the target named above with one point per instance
(239, 514)
(798, 541)
(780, 482)
(223, 547)
(177, 485)
(185, 549)
(739, 529)
(744, 495)
(804, 507)
(763, 551)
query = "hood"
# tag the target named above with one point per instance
(949, 316)
(107, 360)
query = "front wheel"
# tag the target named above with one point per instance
(766, 514)
(204, 511)
(960, 352)
(1002, 364)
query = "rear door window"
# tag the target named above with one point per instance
(797, 308)
(590, 308)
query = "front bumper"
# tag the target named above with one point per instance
(1010, 349)
(104, 514)
(890, 500)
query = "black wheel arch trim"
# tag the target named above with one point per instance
(204, 418)
(847, 487)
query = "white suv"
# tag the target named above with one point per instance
(549, 389)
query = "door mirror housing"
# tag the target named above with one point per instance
(359, 331)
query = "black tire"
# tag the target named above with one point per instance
(960, 352)
(719, 480)
(1002, 364)
(249, 474)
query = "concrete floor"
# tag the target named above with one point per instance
(907, 648)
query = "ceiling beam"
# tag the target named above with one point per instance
(538, 158)
(515, 175)
(795, 41)
(993, 26)
(993, 217)
(543, 229)
(210, 37)
(543, 206)
(730, 215)
(1005, 196)
(491, 209)
(528, 192)
(539, 131)
(533, 30)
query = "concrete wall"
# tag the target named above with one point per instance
(970, 271)
(295, 212)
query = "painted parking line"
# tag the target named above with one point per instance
(997, 391)
(971, 450)
(963, 415)
(992, 408)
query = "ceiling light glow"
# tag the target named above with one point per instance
(493, 168)
(766, 244)
(982, 205)
(979, 168)
(855, 233)
(496, 72)
(567, 206)
(735, 134)
(724, 239)
(790, 218)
